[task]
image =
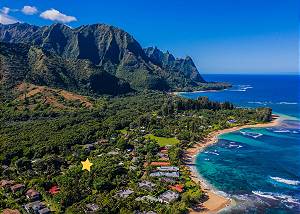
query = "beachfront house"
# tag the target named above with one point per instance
(168, 196)
(168, 169)
(165, 174)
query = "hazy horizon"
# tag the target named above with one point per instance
(225, 37)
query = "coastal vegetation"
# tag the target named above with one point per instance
(43, 147)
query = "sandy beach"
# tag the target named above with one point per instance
(214, 202)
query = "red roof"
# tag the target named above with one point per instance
(177, 187)
(160, 164)
(54, 190)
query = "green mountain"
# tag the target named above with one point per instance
(111, 49)
(26, 63)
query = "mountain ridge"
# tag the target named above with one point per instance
(112, 50)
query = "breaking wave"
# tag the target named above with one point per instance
(285, 181)
(251, 134)
(277, 197)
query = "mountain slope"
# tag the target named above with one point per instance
(116, 51)
(167, 61)
(23, 62)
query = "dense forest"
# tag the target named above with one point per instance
(43, 143)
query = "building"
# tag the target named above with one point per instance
(44, 211)
(168, 180)
(165, 174)
(160, 164)
(231, 121)
(146, 185)
(34, 207)
(33, 194)
(169, 196)
(148, 198)
(177, 187)
(6, 183)
(124, 193)
(9, 211)
(92, 207)
(17, 187)
(168, 169)
(54, 190)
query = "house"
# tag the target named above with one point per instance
(44, 211)
(6, 183)
(162, 155)
(165, 174)
(9, 211)
(34, 207)
(146, 185)
(177, 187)
(167, 180)
(149, 212)
(32, 194)
(92, 207)
(17, 187)
(160, 164)
(168, 169)
(54, 190)
(169, 196)
(231, 121)
(102, 141)
(164, 150)
(148, 198)
(124, 193)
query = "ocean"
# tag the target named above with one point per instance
(259, 167)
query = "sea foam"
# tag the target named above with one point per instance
(285, 181)
(276, 196)
(251, 134)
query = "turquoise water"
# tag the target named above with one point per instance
(259, 168)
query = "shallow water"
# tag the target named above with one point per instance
(258, 167)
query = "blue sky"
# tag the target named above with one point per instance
(222, 36)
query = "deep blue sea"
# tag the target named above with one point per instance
(259, 168)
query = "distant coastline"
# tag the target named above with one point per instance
(215, 201)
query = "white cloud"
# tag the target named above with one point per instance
(29, 10)
(5, 10)
(55, 15)
(5, 18)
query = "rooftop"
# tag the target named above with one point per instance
(169, 196)
(160, 164)
(168, 168)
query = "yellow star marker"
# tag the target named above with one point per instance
(86, 165)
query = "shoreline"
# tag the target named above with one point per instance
(215, 201)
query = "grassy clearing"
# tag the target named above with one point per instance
(163, 141)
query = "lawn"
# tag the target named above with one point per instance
(163, 141)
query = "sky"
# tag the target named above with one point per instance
(222, 36)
